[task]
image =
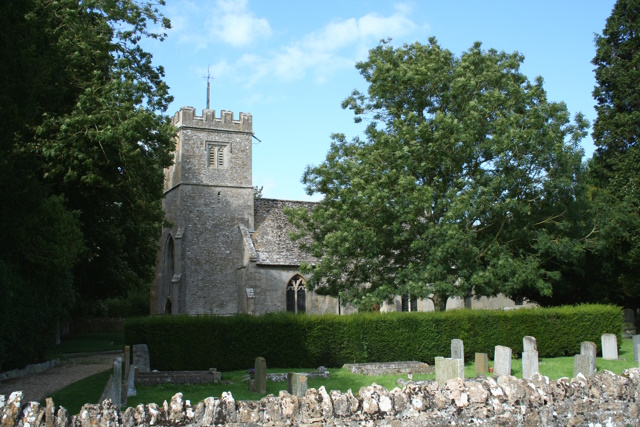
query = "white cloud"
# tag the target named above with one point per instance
(228, 21)
(321, 53)
(233, 23)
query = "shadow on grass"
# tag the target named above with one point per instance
(87, 390)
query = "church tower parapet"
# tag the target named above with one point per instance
(187, 117)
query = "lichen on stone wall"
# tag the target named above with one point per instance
(604, 399)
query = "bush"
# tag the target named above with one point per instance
(289, 341)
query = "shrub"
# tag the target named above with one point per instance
(289, 341)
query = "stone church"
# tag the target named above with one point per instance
(226, 252)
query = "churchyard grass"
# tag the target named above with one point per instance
(340, 379)
(84, 391)
(92, 342)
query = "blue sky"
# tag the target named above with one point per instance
(290, 63)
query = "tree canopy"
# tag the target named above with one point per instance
(614, 167)
(464, 185)
(83, 144)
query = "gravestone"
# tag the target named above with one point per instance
(297, 384)
(529, 344)
(131, 383)
(590, 349)
(447, 369)
(502, 361)
(629, 329)
(636, 343)
(482, 363)
(127, 360)
(582, 364)
(529, 364)
(457, 349)
(609, 347)
(261, 375)
(141, 357)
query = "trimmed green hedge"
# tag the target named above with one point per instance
(289, 341)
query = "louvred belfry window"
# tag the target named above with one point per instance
(217, 155)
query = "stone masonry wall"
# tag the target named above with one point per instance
(205, 202)
(604, 399)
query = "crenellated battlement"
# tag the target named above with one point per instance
(208, 120)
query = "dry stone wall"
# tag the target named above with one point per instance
(604, 399)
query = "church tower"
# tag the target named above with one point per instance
(208, 198)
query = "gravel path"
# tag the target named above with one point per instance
(37, 387)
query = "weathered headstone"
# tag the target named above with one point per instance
(297, 384)
(261, 375)
(457, 349)
(127, 360)
(447, 369)
(590, 349)
(609, 347)
(131, 383)
(113, 389)
(529, 364)
(529, 344)
(636, 343)
(141, 357)
(482, 363)
(582, 364)
(502, 361)
(629, 329)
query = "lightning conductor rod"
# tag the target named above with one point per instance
(208, 87)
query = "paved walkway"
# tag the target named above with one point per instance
(37, 387)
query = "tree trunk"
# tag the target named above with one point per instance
(440, 301)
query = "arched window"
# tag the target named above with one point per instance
(169, 265)
(296, 295)
(167, 307)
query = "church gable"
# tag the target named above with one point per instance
(271, 239)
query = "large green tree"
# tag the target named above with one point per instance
(464, 184)
(83, 144)
(614, 167)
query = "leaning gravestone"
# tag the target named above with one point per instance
(590, 349)
(447, 369)
(609, 347)
(529, 344)
(297, 384)
(141, 357)
(457, 349)
(582, 364)
(502, 361)
(636, 343)
(482, 363)
(261, 375)
(127, 360)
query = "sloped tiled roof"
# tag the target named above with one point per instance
(272, 229)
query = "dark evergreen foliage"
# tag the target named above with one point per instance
(289, 341)
(83, 143)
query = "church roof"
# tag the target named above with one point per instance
(271, 236)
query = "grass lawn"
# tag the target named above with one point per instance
(89, 343)
(342, 380)
(84, 391)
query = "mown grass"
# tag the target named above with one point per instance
(340, 379)
(87, 390)
(90, 343)
(343, 380)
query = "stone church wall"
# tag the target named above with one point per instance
(270, 284)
